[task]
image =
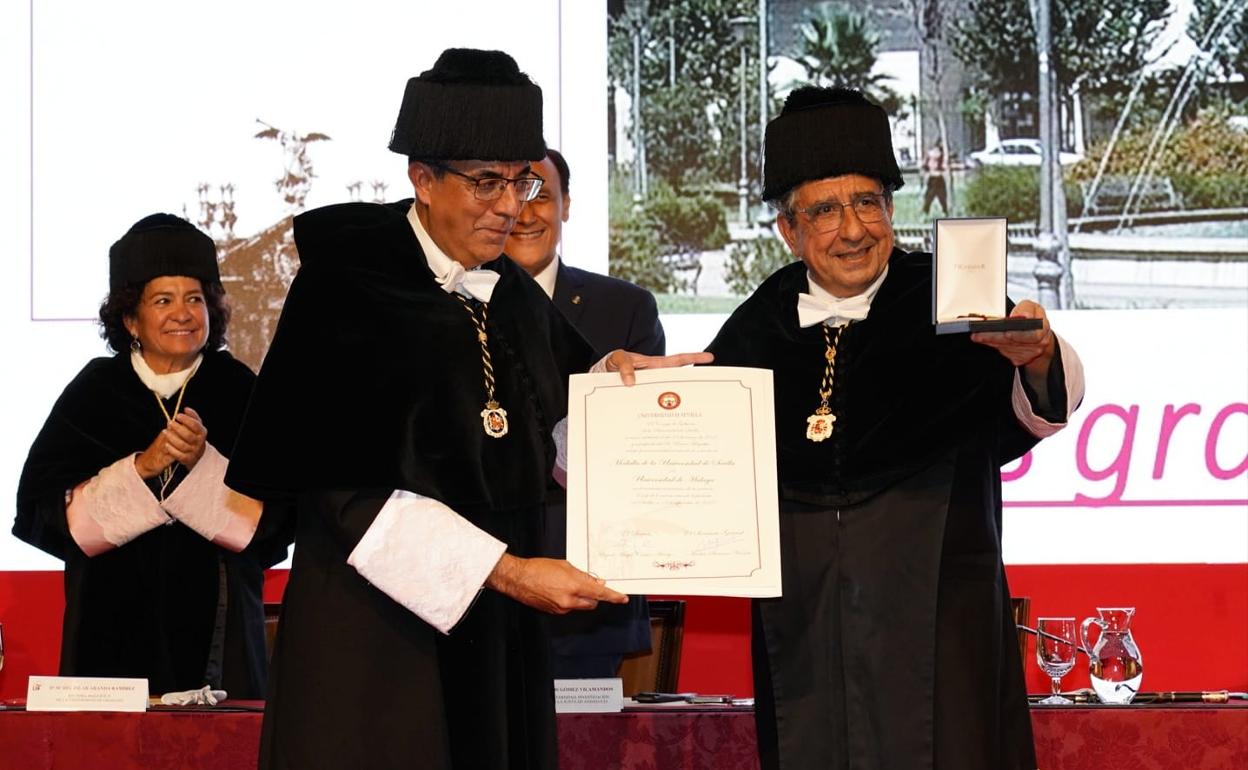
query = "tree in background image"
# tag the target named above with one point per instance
(689, 82)
(839, 48)
(1099, 46)
(1230, 47)
(683, 58)
(928, 20)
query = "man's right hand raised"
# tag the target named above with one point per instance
(550, 585)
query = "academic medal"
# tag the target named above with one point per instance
(494, 420)
(819, 424)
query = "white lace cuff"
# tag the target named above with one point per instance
(120, 503)
(205, 504)
(1034, 424)
(426, 557)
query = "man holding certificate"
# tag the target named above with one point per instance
(892, 645)
(406, 405)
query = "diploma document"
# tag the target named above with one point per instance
(672, 481)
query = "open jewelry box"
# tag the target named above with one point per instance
(968, 277)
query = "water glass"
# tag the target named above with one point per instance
(1055, 652)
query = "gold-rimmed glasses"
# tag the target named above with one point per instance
(827, 216)
(489, 187)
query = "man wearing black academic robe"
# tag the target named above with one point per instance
(893, 645)
(373, 384)
(165, 604)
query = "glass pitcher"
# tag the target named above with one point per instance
(1114, 663)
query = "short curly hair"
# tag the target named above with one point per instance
(124, 303)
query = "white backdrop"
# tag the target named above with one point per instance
(131, 104)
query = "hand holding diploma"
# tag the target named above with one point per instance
(550, 585)
(627, 364)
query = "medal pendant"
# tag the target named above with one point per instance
(494, 420)
(819, 425)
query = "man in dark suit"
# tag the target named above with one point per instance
(611, 314)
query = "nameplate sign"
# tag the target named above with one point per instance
(85, 693)
(588, 696)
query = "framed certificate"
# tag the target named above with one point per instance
(672, 481)
(968, 277)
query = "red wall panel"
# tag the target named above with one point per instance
(1191, 624)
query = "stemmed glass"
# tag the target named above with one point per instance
(1055, 652)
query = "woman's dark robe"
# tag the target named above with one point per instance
(169, 605)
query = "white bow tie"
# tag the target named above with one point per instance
(813, 310)
(478, 284)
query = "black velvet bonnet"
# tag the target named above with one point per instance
(161, 244)
(473, 105)
(827, 132)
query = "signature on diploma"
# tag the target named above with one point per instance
(673, 566)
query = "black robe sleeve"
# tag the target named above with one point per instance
(69, 449)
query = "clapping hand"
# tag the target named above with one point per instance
(182, 441)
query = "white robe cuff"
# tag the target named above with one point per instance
(1034, 424)
(119, 503)
(205, 504)
(601, 366)
(426, 557)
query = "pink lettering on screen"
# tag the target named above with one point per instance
(1211, 444)
(1024, 465)
(1169, 419)
(1117, 426)
(1120, 465)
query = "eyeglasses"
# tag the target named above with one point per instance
(490, 188)
(826, 216)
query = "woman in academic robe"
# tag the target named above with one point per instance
(125, 482)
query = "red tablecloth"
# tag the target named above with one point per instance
(1079, 738)
(1189, 737)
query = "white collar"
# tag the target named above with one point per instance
(546, 278)
(163, 385)
(820, 304)
(868, 294)
(451, 275)
(439, 262)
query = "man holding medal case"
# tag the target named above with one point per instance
(893, 644)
